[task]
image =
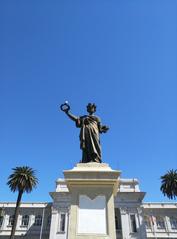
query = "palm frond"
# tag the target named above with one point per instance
(22, 179)
(169, 184)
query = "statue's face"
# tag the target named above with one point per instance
(91, 109)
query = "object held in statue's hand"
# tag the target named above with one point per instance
(65, 107)
(105, 128)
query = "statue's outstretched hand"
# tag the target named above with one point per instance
(66, 111)
(65, 107)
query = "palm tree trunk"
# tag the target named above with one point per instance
(16, 214)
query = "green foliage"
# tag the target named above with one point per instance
(169, 184)
(22, 179)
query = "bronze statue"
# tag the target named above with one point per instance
(89, 134)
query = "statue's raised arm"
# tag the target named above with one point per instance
(65, 108)
(90, 129)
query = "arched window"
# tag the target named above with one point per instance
(48, 221)
(62, 222)
(11, 220)
(25, 220)
(1, 221)
(160, 222)
(133, 223)
(38, 220)
(147, 222)
(118, 219)
(173, 222)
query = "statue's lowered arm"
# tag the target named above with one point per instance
(102, 128)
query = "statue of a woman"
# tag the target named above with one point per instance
(91, 128)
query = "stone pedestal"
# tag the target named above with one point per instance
(92, 187)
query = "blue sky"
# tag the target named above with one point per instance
(120, 54)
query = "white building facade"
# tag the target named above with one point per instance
(133, 218)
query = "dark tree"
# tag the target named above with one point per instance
(22, 180)
(169, 184)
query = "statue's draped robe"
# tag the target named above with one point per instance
(89, 138)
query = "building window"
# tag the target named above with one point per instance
(38, 220)
(118, 219)
(62, 222)
(48, 221)
(25, 220)
(133, 223)
(11, 220)
(1, 221)
(147, 222)
(160, 223)
(173, 222)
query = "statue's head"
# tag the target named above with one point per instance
(91, 108)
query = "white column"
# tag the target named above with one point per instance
(43, 213)
(167, 224)
(125, 223)
(54, 224)
(141, 225)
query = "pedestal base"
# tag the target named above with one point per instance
(92, 187)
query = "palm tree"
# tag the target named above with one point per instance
(169, 184)
(22, 179)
